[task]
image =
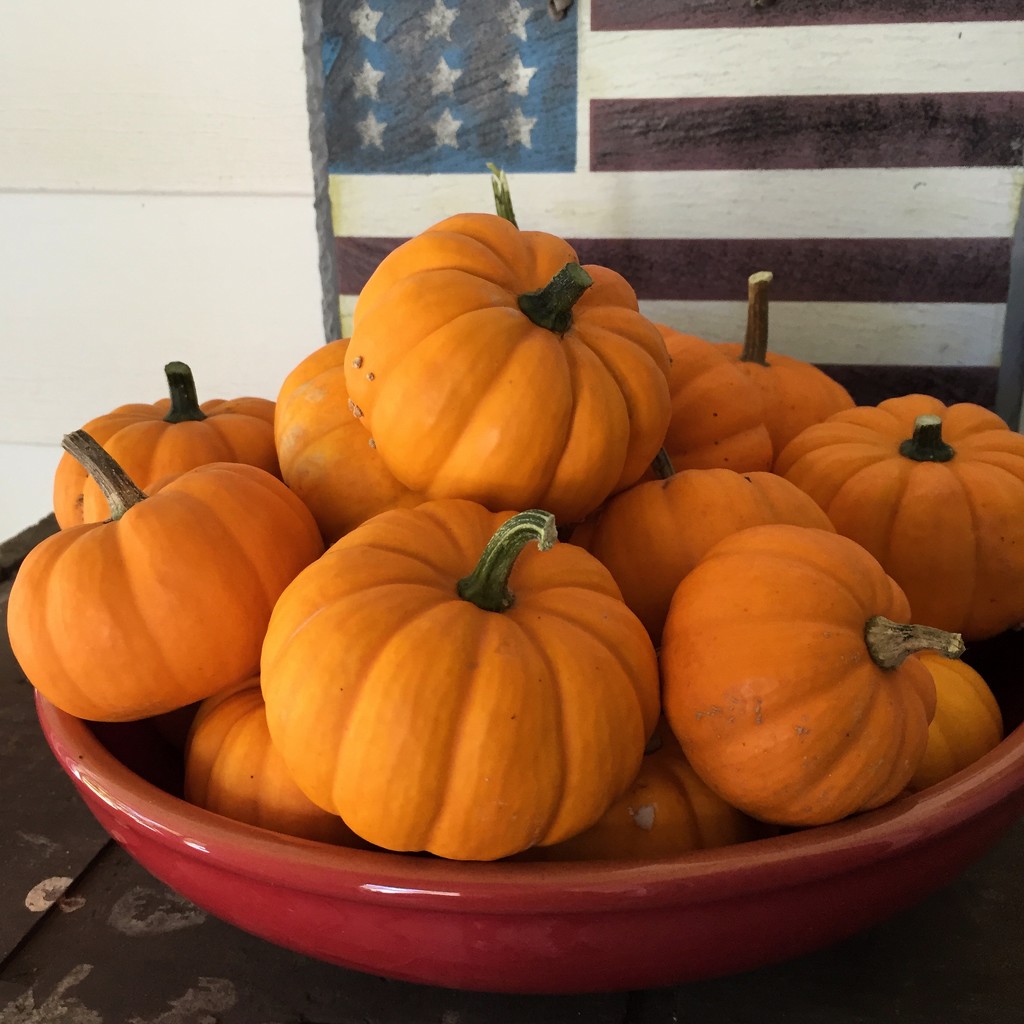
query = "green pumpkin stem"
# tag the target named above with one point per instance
(502, 194)
(551, 306)
(927, 445)
(184, 400)
(662, 465)
(890, 643)
(755, 342)
(487, 585)
(117, 486)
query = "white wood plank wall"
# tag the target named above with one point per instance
(156, 203)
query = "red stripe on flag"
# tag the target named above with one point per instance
(807, 132)
(974, 270)
(628, 15)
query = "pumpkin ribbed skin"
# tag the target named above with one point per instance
(428, 723)
(794, 393)
(668, 810)
(769, 685)
(653, 534)
(950, 533)
(232, 768)
(466, 397)
(717, 419)
(133, 617)
(326, 455)
(967, 724)
(148, 447)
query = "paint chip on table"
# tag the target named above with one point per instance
(43, 896)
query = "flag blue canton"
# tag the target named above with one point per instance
(436, 86)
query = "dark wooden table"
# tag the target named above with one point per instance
(89, 937)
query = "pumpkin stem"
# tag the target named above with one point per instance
(184, 400)
(502, 195)
(487, 585)
(889, 643)
(927, 445)
(117, 486)
(662, 465)
(755, 343)
(551, 306)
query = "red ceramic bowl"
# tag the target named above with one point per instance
(541, 928)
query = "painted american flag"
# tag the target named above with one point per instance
(868, 153)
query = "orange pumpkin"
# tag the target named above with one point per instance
(232, 768)
(788, 678)
(794, 393)
(169, 436)
(326, 456)
(717, 419)
(167, 601)
(936, 494)
(668, 810)
(653, 534)
(967, 724)
(488, 364)
(470, 705)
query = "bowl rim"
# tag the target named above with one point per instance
(709, 876)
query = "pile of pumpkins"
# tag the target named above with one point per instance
(514, 571)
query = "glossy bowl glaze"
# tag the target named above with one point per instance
(536, 927)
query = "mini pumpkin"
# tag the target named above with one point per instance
(936, 494)
(326, 456)
(443, 684)
(651, 535)
(164, 603)
(717, 417)
(667, 811)
(790, 675)
(232, 769)
(168, 436)
(794, 393)
(967, 724)
(488, 364)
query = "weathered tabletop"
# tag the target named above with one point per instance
(118, 947)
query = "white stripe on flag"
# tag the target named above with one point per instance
(863, 203)
(803, 60)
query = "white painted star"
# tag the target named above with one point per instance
(518, 127)
(439, 20)
(517, 77)
(367, 81)
(442, 79)
(371, 131)
(446, 128)
(365, 19)
(515, 18)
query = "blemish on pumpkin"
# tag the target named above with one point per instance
(643, 817)
(758, 717)
(369, 376)
(372, 443)
(357, 362)
(801, 730)
(356, 411)
(713, 710)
